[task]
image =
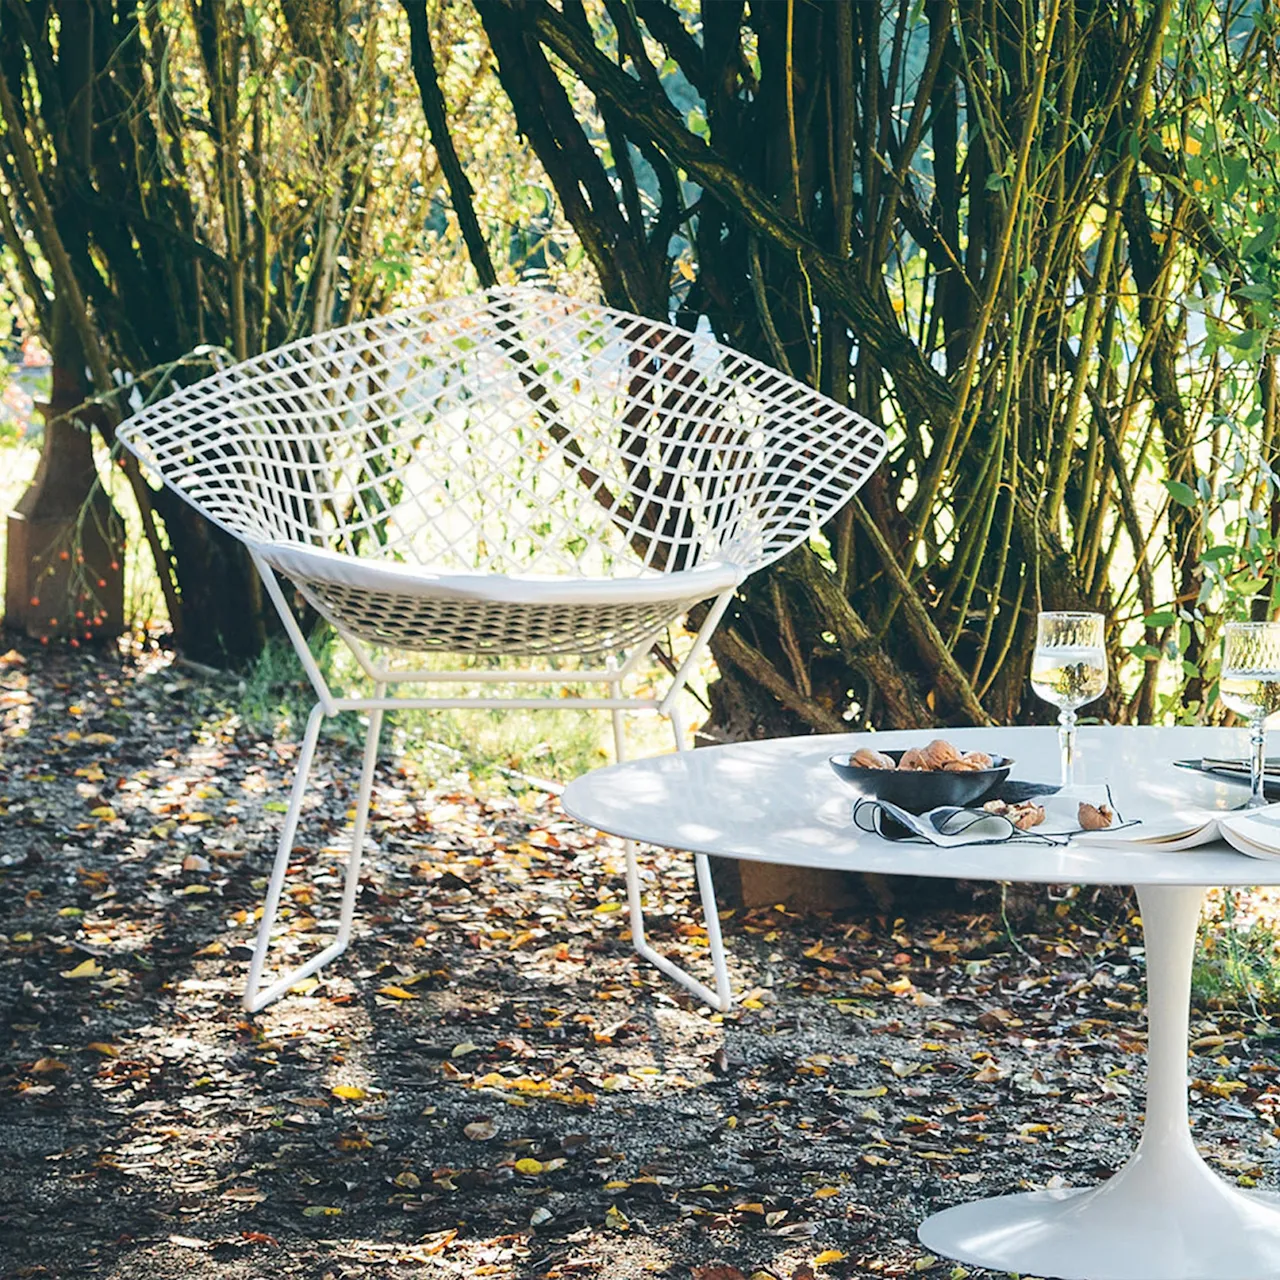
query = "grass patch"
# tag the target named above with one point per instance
(275, 697)
(1237, 965)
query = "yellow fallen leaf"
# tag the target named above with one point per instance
(106, 1050)
(608, 906)
(396, 993)
(616, 1220)
(435, 1243)
(85, 969)
(92, 772)
(461, 1050)
(750, 1207)
(828, 1256)
(825, 1193)
(98, 740)
(47, 1066)
(352, 1092)
(103, 811)
(320, 1211)
(529, 1166)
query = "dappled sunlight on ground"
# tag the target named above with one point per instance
(488, 1083)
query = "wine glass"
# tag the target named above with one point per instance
(1250, 684)
(1069, 669)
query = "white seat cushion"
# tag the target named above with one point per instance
(304, 563)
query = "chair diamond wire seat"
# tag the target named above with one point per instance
(509, 474)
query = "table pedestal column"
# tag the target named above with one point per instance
(1165, 1215)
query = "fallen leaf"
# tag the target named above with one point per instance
(106, 1050)
(396, 993)
(190, 1242)
(85, 969)
(47, 1066)
(529, 1166)
(480, 1130)
(321, 1211)
(828, 1256)
(244, 1195)
(351, 1092)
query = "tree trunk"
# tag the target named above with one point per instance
(63, 563)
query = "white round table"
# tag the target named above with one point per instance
(1165, 1215)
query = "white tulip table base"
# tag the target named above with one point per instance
(1165, 1215)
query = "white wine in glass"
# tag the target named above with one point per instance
(1249, 684)
(1069, 669)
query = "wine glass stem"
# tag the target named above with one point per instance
(1067, 742)
(1257, 761)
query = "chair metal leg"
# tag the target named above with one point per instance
(722, 997)
(255, 999)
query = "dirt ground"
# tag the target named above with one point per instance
(488, 1083)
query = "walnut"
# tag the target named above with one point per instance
(1095, 817)
(961, 766)
(912, 758)
(938, 754)
(979, 759)
(1026, 815)
(998, 807)
(870, 758)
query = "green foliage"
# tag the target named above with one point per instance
(1235, 966)
(1049, 264)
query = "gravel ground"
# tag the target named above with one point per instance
(487, 1083)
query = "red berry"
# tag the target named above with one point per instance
(64, 555)
(44, 639)
(102, 582)
(115, 564)
(75, 644)
(53, 622)
(35, 602)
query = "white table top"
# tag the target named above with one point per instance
(779, 801)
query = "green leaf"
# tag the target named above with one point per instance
(1181, 493)
(1161, 618)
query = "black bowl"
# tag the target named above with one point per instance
(919, 790)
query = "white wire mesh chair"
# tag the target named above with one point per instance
(507, 474)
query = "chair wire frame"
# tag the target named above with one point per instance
(510, 474)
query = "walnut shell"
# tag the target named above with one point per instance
(980, 759)
(996, 806)
(938, 754)
(1026, 815)
(870, 758)
(961, 766)
(1095, 817)
(912, 758)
